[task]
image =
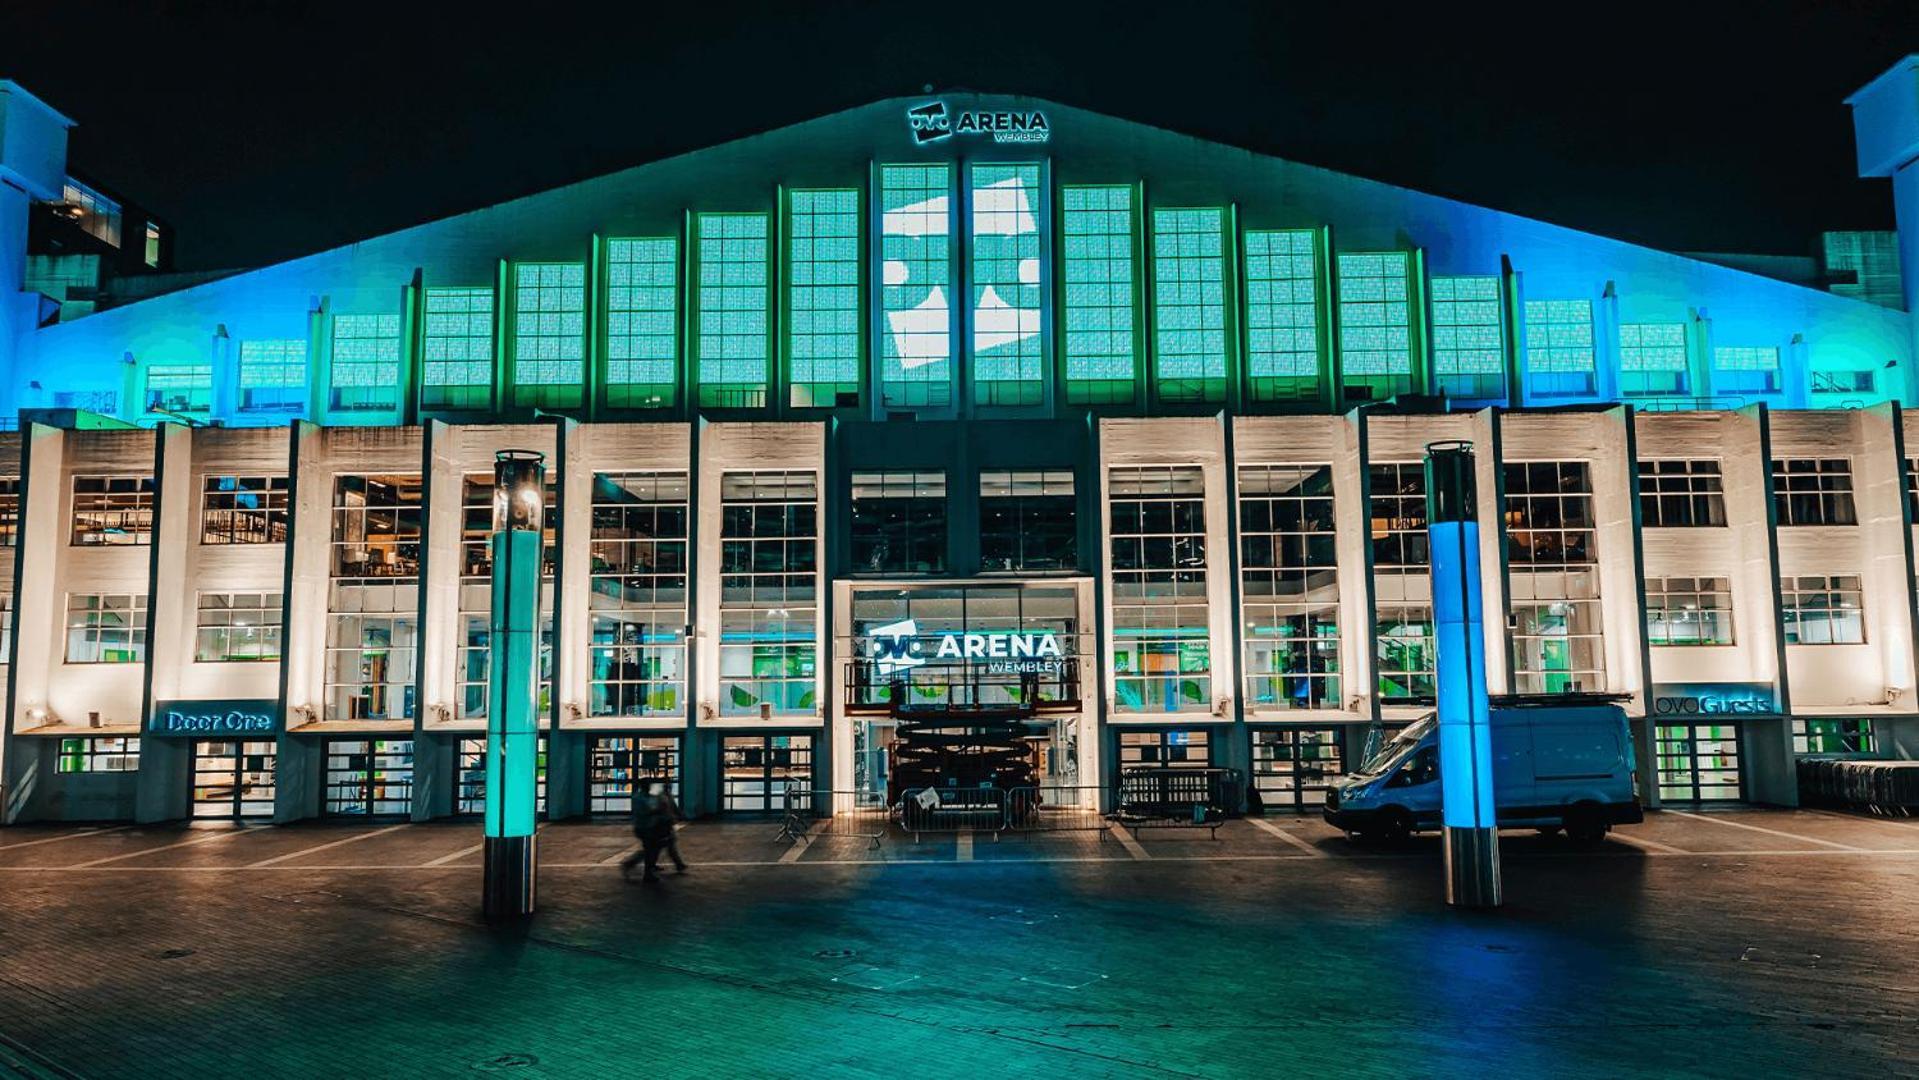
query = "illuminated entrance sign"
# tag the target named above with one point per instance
(932, 122)
(225, 717)
(1713, 699)
(897, 647)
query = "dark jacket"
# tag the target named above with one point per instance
(653, 816)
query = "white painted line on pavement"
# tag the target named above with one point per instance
(1299, 842)
(617, 856)
(450, 856)
(292, 855)
(1127, 841)
(802, 842)
(226, 835)
(1761, 829)
(1644, 844)
(64, 836)
(963, 847)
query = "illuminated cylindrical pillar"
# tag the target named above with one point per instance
(1465, 720)
(513, 679)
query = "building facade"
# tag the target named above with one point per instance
(1096, 444)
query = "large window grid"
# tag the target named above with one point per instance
(1008, 284)
(1375, 324)
(456, 358)
(99, 754)
(732, 332)
(637, 595)
(179, 388)
(823, 259)
(1745, 369)
(642, 322)
(1813, 491)
(9, 511)
(1028, 521)
(237, 627)
(769, 565)
(916, 237)
(373, 598)
(1652, 358)
(273, 375)
(1402, 583)
(1469, 338)
(1189, 304)
(1835, 736)
(1162, 652)
(476, 595)
(106, 628)
(112, 511)
(1100, 305)
(365, 372)
(1552, 562)
(898, 523)
(1822, 609)
(1289, 586)
(1681, 494)
(1689, 611)
(244, 509)
(549, 335)
(1282, 315)
(1560, 348)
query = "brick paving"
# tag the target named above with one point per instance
(1756, 943)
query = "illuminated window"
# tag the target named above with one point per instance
(1688, 611)
(769, 589)
(1813, 491)
(112, 511)
(99, 754)
(1553, 573)
(1843, 382)
(1282, 315)
(1559, 347)
(642, 322)
(1375, 324)
(1289, 581)
(179, 388)
(916, 239)
(9, 511)
(732, 329)
(1822, 610)
(476, 595)
(244, 509)
(637, 598)
(1469, 340)
(1099, 302)
(1162, 645)
(1009, 286)
(549, 335)
(106, 628)
(1652, 358)
(273, 375)
(1832, 736)
(823, 297)
(1189, 304)
(95, 214)
(237, 627)
(457, 349)
(1402, 583)
(1745, 369)
(365, 375)
(373, 597)
(152, 252)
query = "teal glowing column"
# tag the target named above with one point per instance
(512, 719)
(1465, 718)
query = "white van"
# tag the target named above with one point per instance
(1557, 764)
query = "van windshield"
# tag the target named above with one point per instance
(1396, 747)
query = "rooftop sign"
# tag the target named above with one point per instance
(933, 122)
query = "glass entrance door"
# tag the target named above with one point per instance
(616, 766)
(233, 779)
(1293, 767)
(368, 778)
(471, 791)
(1697, 762)
(755, 771)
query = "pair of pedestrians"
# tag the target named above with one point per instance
(654, 815)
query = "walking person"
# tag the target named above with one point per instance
(654, 814)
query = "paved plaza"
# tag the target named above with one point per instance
(1728, 944)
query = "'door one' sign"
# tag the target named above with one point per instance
(231, 716)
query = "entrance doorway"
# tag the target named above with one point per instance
(233, 779)
(616, 766)
(756, 770)
(368, 778)
(1294, 767)
(471, 790)
(1697, 762)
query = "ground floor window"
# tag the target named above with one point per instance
(1293, 767)
(756, 770)
(617, 765)
(99, 754)
(233, 779)
(368, 777)
(1832, 737)
(1697, 762)
(470, 792)
(1185, 747)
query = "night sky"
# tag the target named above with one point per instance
(271, 129)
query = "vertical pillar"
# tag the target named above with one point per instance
(512, 722)
(1465, 722)
(1885, 123)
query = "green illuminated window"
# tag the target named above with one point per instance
(732, 328)
(549, 335)
(1282, 317)
(1469, 342)
(1559, 347)
(823, 296)
(179, 388)
(457, 349)
(916, 241)
(1375, 324)
(1745, 369)
(1652, 358)
(273, 375)
(1189, 304)
(1101, 343)
(642, 322)
(365, 373)
(1009, 350)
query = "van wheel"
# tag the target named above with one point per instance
(1585, 826)
(1395, 825)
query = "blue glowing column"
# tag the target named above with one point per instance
(512, 717)
(1465, 721)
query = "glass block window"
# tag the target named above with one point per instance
(549, 335)
(1282, 315)
(823, 297)
(1008, 286)
(365, 373)
(1823, 609)
(106, 628)
(637, 629)
(1469, 338)
(1652, 358)
(1554, 577)
(1745, 369)
(1189, 304)
(237, 627)
(179, 388)
(273, 375)
(1813, 491)
(732, 331)
(1375, 323)
(769, 589)
(1681, 495)
(642, 322)
(1099, 311)
(1162, 645)
(456, 358)
(916, 239)
(1289, 581)
(1559, 347)
(1402, 583)
(1689, 611)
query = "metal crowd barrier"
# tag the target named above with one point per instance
(1054, 808)
(812, 813)
(1175, 797)
(952, 810)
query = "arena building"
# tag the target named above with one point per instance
(1093, 443)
